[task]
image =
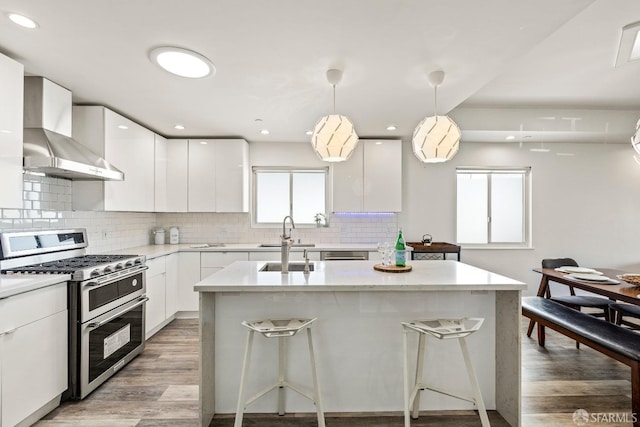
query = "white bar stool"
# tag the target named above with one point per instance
(441, 329)
(280, 329)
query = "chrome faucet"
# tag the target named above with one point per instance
(287, 242)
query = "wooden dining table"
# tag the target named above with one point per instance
(622, 291)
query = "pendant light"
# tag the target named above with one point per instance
(436, 138)
(635, 139)
(334, 138)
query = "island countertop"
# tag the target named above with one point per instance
(447, 275)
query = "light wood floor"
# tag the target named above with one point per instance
(159, 388)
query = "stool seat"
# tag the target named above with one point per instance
(280, 329)
(442, 329)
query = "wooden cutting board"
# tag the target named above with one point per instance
(392, 268)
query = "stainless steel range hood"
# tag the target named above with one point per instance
(48, 147)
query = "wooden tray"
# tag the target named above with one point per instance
(391, 268)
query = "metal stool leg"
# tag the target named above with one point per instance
(405, 368)
(282, 359)
(316, 383)
(243, 380)
(419, 371)
(474, 383)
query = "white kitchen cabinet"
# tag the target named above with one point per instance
(11, 106)
(156, 286)
(171, 174)
(171, 269)
(210, 262)
(218, 175)
(127, 146)
(33, 349)
(188, 276)
(371, 180)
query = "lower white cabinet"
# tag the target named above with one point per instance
(162, 291)
(210, 262)
(33, 353)
(188, 276)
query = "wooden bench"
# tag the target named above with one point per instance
(612, 340)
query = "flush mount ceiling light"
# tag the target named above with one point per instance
(629, 49)
(635, 139)
(437, 138)
(334, 138)
(23, 21)
(182, 62)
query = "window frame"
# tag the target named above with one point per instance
(526, 208)
(290, 170)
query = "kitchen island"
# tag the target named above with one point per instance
(358, 335)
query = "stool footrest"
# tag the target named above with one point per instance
(279, 384)
(419, 387)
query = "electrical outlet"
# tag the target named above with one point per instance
(105, 234)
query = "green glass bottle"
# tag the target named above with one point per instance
(401, 253)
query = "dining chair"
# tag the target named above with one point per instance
(620, 310)
(572, 300)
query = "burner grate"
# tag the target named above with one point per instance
(68, 265)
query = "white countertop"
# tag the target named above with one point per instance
(357, 276)
(14, 284)
(153, 251)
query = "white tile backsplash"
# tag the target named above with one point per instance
(47, 204)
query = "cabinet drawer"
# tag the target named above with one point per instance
(22, 309)
(156, 266)
(221, 259)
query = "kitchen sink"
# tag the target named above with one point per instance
(293, 266)
(295, 245)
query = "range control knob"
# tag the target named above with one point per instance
(119, 266)
(108, 269)
(95, 272)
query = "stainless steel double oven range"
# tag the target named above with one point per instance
(106, 300)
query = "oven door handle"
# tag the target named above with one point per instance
(96, 325)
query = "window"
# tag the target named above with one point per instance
(493, 206)
(278, 192)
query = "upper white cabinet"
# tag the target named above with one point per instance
(11, 110)
(371, 180)
(218, 177)
(171, 174)
(126, 145)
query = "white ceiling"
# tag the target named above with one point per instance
(271, 59)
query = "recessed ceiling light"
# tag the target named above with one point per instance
(179, 127)
(123, 127)
(309, 132)
(203, 142)
(5, 131)
(629, 48)
(391, 127)
(539, 150)
(510, 138)
(378, 142)
(265, 131)
(182, 62)
(565, 154)
(23, 21)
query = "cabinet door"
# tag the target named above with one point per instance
(177, 175)
(160, 174)
(382, 183)
(347, 182)
(171, 296)
(232, 175)
(129, 147)
(188, 276)
(155, 309)
(11, 88)
(202, 175)
(34, 367)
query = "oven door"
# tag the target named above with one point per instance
(101, 295)
(109, 342)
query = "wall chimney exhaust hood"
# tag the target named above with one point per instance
(48, 147)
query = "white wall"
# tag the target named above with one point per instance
(585, 206)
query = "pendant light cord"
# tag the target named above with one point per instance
(334, 99)
(435, 101)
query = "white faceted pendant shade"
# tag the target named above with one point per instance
(334, 138)
(635, 139)
(436, 139)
